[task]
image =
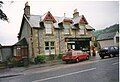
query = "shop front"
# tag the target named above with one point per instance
(78, 43)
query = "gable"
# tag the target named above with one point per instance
(49, 17)
(83, 20)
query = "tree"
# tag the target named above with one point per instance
(3, 16)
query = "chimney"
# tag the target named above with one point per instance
(76, 13)
(27, 9)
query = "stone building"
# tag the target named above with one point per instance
(49, 34)
(6, 52)
(108, 39)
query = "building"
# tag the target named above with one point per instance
(49, 34)
(6, 52)
(108, 39)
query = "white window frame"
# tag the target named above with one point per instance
(66, 29)
(50, 46)
(48, 28)
(81, 30)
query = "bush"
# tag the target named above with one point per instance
(60, 55)
(31, 60)
(40, 58)
(11, 62)
(51, 57)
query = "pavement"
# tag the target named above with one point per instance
(16, 71)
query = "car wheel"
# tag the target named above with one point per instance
(87, 57)
(110, 55)
(114, 55)
(67, 62)
(102, 57)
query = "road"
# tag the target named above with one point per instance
(102, 70)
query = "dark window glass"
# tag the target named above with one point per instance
(46, 48)
(52, 48)
(46, 43)
(52, 43)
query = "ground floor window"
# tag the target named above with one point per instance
(79, 45)
(49, 47)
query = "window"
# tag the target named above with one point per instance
(66, 29)
(48, 28)
(82, 30)
(49, 47)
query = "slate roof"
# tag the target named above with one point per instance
(88, 27)
(106, 36)
(22, 42)
(36, 19)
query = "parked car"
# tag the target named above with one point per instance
(110, 51)
(75, 56)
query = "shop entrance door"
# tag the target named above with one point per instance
(82, 45)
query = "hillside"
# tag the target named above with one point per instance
(113, 28)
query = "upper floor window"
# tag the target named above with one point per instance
(66, 29)
(48, 28)
(82, 30)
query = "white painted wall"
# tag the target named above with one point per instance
(105, 43)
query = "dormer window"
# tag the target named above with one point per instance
(48, 28)
(66, 29)
(81, 30)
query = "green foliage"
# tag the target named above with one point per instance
(40, 58)
(11, 62)
(3, 16)
(51, 57)
(60, 55)
(113, 28)
(31, 60)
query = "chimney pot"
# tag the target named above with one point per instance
(27, 9)
(76, 13)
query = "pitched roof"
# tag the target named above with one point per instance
(106, 36)
(22, 42)
(48, 16)
(80, 19)
(88, 27)
(34, 20)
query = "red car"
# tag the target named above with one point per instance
(75, 56)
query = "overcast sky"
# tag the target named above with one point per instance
(99, 14)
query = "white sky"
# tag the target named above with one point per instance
(99, 14)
